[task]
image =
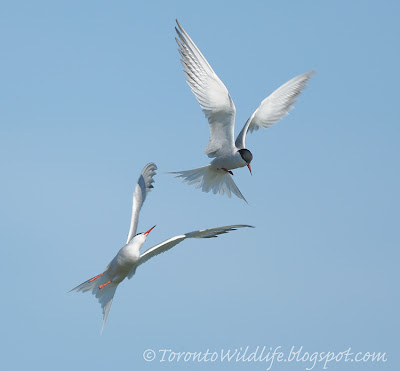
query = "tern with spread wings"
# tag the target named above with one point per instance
(128, 258)
(220, 111)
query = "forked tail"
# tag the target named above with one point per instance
(210, 179)
(104, 290)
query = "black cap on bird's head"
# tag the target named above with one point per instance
(246, 156)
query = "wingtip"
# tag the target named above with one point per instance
(172, 172)
(309, 74)
(180, 32)
(152, 164)
(242, 197)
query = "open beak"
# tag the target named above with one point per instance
(248, 165)
(146, 233)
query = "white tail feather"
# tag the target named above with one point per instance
(210, 179)
(104, 295)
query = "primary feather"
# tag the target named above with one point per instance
(143, 187)
(171, 242)
(220, 111)
(274, 107)
(211, 94)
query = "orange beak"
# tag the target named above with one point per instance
(248, 165)
(146, 233)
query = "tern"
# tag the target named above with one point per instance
(128, 258)
(220, 110)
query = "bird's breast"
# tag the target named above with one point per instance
(229, 161)
(128, 256)
(122, 263)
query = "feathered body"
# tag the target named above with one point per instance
(128, 258)
(229, 160)
(220, 112)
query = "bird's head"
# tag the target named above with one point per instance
(141, 237)
(246, 157)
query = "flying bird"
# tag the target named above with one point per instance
(128, 258)
(220, 110)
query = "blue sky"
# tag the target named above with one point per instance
(92, 91)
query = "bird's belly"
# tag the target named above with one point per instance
(228, 162)
(121, 265)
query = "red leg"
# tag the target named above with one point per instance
(95, 278)
(101, 286)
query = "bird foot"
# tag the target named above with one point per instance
(95, 278)
(101, 286)
(226, 170)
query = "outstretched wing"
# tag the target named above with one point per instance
(275, 107)
(143, 187)
(170, 243)
(211, 94)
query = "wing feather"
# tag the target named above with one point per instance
(170, 243)
(143, 187)
(275, 107)
(211, 94)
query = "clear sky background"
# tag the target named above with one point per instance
(92, 91)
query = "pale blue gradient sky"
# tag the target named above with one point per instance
(92, 91)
